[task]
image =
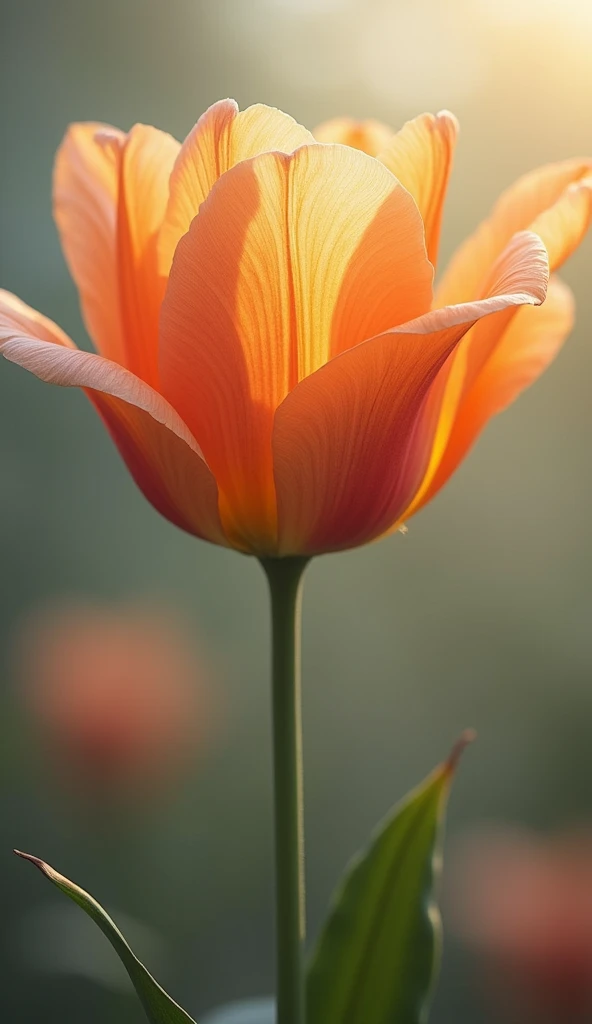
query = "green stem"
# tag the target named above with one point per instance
(285, 586)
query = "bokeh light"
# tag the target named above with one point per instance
(116, 693)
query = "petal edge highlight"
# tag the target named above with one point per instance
(527, 347)
(223, 137)
(85, 189)
(159, 450)
(420, 156)
(352, 441)
(525, 205)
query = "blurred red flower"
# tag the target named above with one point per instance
(117, 694)
(526, 903)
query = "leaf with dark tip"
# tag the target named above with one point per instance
(159, 1007)
(377, 956)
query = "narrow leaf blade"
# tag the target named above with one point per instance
(377, 956)
(159, 1007)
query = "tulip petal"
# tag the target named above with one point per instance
(352, 441)
(110, 196)
(527, 204)
(561, 227)
(290, 260)
(368, 136)
(523, 352)
(85, 187)
(159, 450)
(17, 319)
(222, 137)
(145, 164)
(420, 156)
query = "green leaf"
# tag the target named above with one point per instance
(159, 1007)
(378, 953)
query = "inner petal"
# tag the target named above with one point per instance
(291, 260)
(223, 137)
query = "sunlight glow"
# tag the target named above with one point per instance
(570, 15)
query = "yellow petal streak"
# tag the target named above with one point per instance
(291, 259)
(420, 156)
(222, 137)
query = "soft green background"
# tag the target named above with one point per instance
(479, 616)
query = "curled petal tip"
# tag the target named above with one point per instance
(105, 134)
(464, 740)
(521, 270)
(450, 118)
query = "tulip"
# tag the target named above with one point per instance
(272, 361)
(500, 356)
(525, 903)
(113, 693)
(273, 364)
(369, 136)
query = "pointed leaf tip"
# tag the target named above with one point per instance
(158, 1005)
(377, 956)
(29, 856)
(464, 740)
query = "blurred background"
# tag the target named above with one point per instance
(479, 616)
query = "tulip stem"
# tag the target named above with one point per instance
(285, 586)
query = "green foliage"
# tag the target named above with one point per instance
(159, 1007)
(378, 954)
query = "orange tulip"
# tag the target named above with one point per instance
(369, 136)
(526, 904)
(273, 365)
(118, 694)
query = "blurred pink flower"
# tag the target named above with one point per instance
(117, 693)
(526, 903)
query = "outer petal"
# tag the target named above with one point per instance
(145, 163)
(222, 137)
(291, 259)
(420, 156)
(351, 442)
(159, 450)
(85, 188)
(369, 136)
(561, 227)
(110, 195)
(524, 351)
(19, 320)
(521, 207)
